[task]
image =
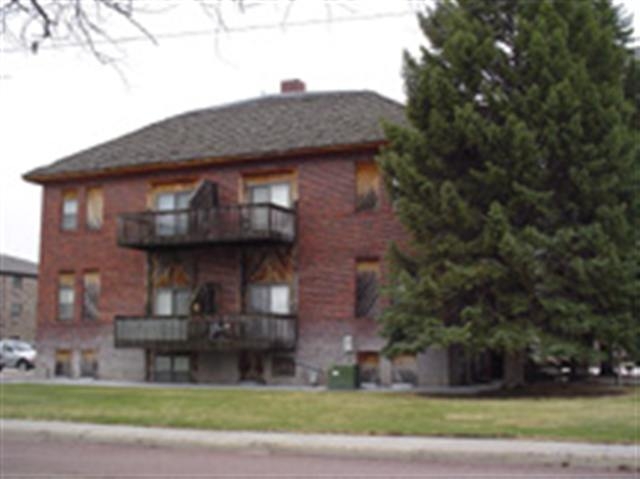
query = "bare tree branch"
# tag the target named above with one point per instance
(30, 23)
(46, 21)
(128, 14)
(97, 25)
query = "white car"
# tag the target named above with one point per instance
(629, 369)
(17, 354)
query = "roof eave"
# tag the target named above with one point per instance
(43, 178)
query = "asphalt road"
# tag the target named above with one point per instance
(34, 457)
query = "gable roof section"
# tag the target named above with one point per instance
(264, 126)
(17, 266)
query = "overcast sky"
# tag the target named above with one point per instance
(62, 100)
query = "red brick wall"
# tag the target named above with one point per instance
(331, 236)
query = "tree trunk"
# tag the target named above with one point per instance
(513, 369)
(606, 367)
(579, 371)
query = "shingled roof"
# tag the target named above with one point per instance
(17, 266)
(264, 126)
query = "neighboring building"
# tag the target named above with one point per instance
(18, 298)
(237, 243)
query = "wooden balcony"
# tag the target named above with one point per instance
(248, 223)
(224, 332)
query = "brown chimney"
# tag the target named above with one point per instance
(292, 86)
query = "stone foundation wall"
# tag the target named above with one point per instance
(112, 363)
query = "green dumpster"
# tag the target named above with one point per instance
(343, 377)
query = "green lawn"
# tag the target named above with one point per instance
(612, 419)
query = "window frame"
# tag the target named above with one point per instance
(17, 282)
(172, 374)
(69, 220)
(373, 194)
(270, 310)
(63, 360)
(175, 291)
(89, 363)
(66, 283)
(91, 275)
(269, 185)
(90, 197)
(168, 224)
(16, 310)
(368, 266)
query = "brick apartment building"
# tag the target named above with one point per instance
(238, 243)
(18, 298)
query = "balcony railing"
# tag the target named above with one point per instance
(246, 331)
(257, 222)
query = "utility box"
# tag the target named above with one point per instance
(343, 377)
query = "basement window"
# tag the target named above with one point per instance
(63, 363)
(88, 363)
(283, 366)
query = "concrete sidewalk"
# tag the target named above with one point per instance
(625, 457)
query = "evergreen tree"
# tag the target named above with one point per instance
(516, 182)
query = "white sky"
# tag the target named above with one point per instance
(62, 100)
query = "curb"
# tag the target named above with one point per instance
(622, 457)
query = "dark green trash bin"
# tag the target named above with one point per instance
(343, 377)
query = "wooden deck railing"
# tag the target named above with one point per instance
(247, 331)
(223, 224)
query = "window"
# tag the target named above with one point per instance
(369, 367)
(63, 363)
(66, 296)
(367, 278)
(367, 186)
(272, 193)
(275, 193)
(404, 369)
(16, 282)
(16, 310)
(172, 368)
(90, 295)
(283, 366)
(168, 223)
(88, 363)
(95, 207)
(269, 298)
(70, 211)
(172, 302)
